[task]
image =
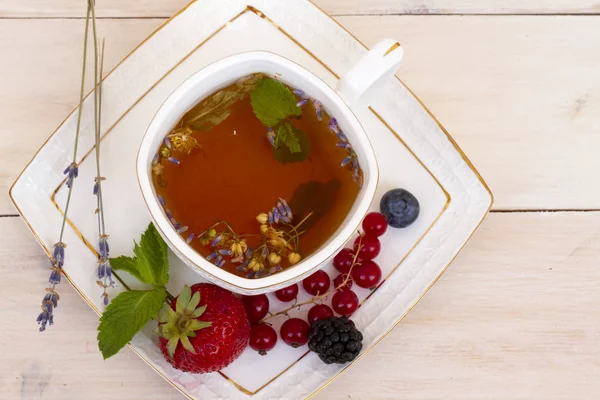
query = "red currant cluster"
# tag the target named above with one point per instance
(355, 266)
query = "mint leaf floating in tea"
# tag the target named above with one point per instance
(217, 108)
(316, 198)
(273, 102)
(286, 136)
(125, 316)
(291, 144)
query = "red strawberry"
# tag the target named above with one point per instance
(204, 330)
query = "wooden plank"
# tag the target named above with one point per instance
(520, 94)
(515, 317)
(158, 8)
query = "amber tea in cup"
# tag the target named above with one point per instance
(257, 176)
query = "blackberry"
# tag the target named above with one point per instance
(336, 340)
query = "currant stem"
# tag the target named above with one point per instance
(322, 296)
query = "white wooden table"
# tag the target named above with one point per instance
(517, 316)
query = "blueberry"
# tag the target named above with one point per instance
(400, 208)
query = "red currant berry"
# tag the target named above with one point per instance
(256, 307)
(319, 312)
(262, 338)
(317, 283)
(367, 275)
(344, 302)
(343, 260)
(294, 332)
(339, 280)
(287, 293)
(374, 224)
(369, 247)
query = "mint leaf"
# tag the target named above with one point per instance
(127, 264)
(291, 144)
(125, 316)
(215, 109)
(273, 102)
(286, 136)
(151, 257)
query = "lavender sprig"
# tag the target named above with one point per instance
(105, 279)
(57, 259)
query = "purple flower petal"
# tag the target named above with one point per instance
(55, 276)
(341, 136)
(174, 160)
(216, 241)
(288, 210)
(300, 93)
(318, 110)
(333, 125)
(281, 208)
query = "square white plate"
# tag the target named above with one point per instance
(412, 148)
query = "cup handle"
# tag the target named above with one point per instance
(379, 64)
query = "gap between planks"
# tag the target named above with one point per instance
(392, 14)
(500, 211)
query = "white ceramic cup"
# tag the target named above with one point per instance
(380, 63)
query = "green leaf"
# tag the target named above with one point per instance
(193, 303)
(199, 311)
(285, 136)
(125, 316)
(196, 325)
(273, 102)
(183, 299)
(291, 144)
(151, 257)
(215, 109)
(185, 341)
(172, 346)
(127, 264)
(313, 197)
(212, 111)
(166, 314)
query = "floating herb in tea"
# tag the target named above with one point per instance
(257, 177)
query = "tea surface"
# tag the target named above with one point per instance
(237, 169)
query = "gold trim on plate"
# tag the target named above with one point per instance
(394, 47)
(262, 15)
